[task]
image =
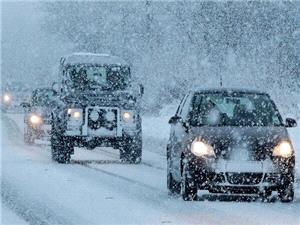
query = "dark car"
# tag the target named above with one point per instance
(37, 117)
(13, 95)
(230, 142)
(99, 107)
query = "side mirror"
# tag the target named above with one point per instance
(289, 122)
(55, 87)
(141, 89)
(175, 119)
(25, 104)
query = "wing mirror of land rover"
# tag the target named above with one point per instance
(25, 104)
(55, 87)
(289, 122)
(141, 90)
(175, 119)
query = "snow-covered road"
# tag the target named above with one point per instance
(97, 189)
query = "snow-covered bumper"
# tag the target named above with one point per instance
(97, 126)
(240, 177)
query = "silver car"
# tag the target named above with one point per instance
(229, 141)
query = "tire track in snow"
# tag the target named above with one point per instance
(32, 211)
(175, 206)
(127, 179)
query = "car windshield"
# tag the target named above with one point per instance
(238, 109)
(111, 77)
(42, 97)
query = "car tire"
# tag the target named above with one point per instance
(286, 189)
(28, 139)
(188, 186)
(266, 195)
(173, 185)
(131, 150)
(60, 148)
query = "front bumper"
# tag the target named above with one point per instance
(104, 127)
(115, 142)
(238, 177)
(41, 131)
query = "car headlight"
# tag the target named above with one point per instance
(201, 149)
(283, 149)
(6, 98)
(75, 114)
(35, 119)
(127, 116)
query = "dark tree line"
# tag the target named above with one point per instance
(175, 46)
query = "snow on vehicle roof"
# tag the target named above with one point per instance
(92, 58)
(230, 90)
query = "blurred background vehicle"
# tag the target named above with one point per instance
(13, 95)
(37, 117)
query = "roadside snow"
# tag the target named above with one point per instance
(97, 189)
(8, 217)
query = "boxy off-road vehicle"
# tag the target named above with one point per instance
(99, 105)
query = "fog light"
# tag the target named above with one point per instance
(75, 113)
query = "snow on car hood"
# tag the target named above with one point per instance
(243, 143)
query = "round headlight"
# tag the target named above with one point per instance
(201, 149)
(35, 119)
(6, 98)
(284, 149)
(94, 115)
(127, 116)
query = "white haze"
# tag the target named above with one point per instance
(172, 46)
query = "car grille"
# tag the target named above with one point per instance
(102, 118)
(244, 178)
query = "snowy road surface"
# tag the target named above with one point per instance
(97, 189)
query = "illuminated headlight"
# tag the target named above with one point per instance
(6, 98)
(202, 149)
(127, 116)
(35, 119)
(284, 149)
(75, 114)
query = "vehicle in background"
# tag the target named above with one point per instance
(99, 106)
(37, 117)
(12, 96)
(230, 141)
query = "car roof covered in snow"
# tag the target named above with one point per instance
(92, 58)
(229, 90)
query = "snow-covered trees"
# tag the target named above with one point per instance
(175, 46)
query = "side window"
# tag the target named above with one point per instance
(186, 107)
(180, 106)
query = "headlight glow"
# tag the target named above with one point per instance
(35, 119)
(75, 113)
(284, 149)
(201, 149)
(127, 116)
(6, 98)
